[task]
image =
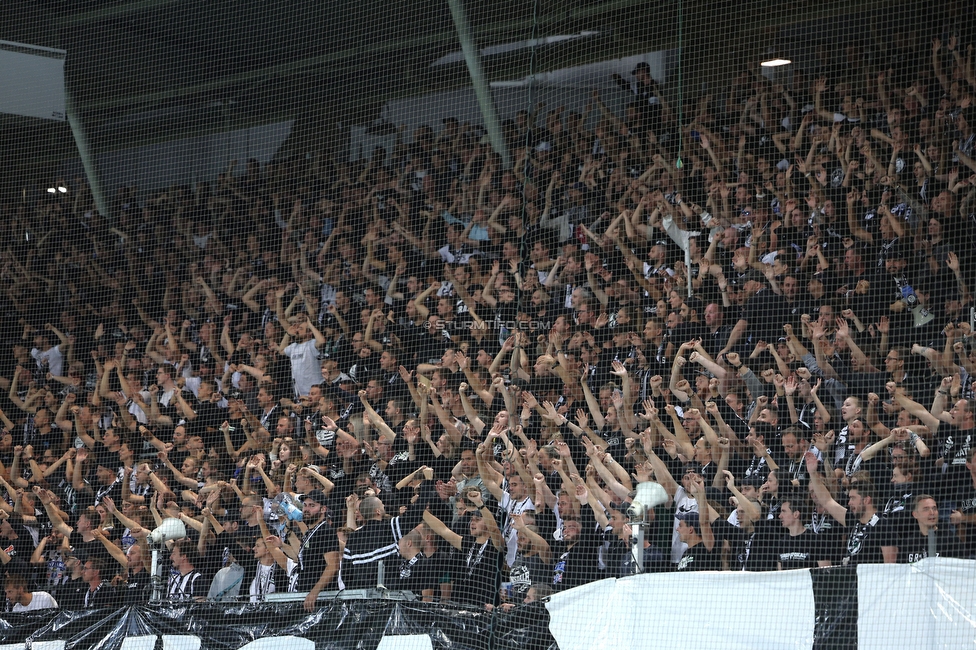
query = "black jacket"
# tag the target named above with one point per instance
(378, 541)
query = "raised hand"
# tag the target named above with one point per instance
(812, 463)
(791, 385)
(582, 418)
(729, 479)
(618, 369)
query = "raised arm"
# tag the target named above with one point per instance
(704, 520)
(661, 473)
(375, 419)
(497, 540)
(592, 404)
(441, 529)
(824, 498)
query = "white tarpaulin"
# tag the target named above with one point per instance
(930, 604)
(32, 81)
(701, 610)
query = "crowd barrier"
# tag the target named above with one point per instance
(927, 605)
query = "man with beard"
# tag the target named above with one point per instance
(870, 538)
(318, 555)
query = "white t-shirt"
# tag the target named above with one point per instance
(305, 367)
(39, 600)
(683, 502)
(55, 362)
(512, 507)
(163, 397)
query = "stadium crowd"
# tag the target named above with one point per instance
(464, 371)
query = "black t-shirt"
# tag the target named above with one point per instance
(799, 551)
(877, 467)
(345, 482)
(966, 503)
(913, 546)
(751, 550)
(400, 465)
(477, 572)
(416, 575)
(699, 558)
(898, 505)
(956, 444)
(207, 423)
(71, 594)
(93, 548)
(319, 540)
(864, 541)
(831, 537)
(577, 564)
(765, 312)
(526, 571)
(137, 587)
(22, 547)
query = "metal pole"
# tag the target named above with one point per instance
(473, 58)
(87, 160)
(637, 545)
(156, 580)
(688, 267)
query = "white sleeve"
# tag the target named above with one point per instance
(193, 383)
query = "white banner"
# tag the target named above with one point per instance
(930, 604)
(32, 81)
(732, 611)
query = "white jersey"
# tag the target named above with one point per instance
(683, 502)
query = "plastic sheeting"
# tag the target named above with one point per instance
(836, 596)
(930, 605)
(337, 625)
(732, 611)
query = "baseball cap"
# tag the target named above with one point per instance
(691, 467)
(234, 393)
(317, 496)
(690, 518)
(752, 481)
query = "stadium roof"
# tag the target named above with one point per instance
(196, 66)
